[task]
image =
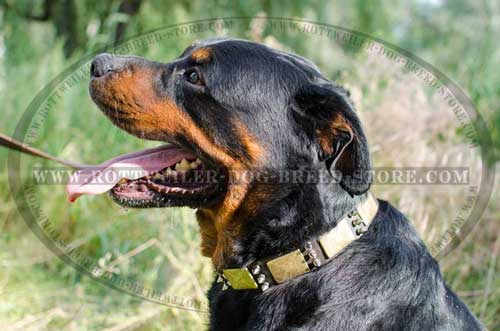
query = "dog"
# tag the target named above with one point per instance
(289, 253)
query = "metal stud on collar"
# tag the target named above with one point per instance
(255, 269)
(311, 255)
(259, 277)
(357, 222)
(225, 283)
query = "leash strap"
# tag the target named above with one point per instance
(13, 144)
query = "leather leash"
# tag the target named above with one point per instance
(13, 144)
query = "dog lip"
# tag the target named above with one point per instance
(145, 193)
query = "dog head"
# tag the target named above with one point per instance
(238, 107)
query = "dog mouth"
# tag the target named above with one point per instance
(164, 176)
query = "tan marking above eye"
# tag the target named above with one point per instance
(202, 54)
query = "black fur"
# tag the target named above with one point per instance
(386, 280)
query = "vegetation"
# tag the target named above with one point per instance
(407, 126)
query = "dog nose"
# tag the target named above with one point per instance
(103, 64)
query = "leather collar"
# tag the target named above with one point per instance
(264, 274)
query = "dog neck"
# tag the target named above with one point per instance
(303, 215)
(295, 215)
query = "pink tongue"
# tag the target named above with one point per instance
(101, 178)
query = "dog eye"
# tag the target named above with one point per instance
(194, 77)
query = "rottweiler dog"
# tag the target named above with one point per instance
(291, 252)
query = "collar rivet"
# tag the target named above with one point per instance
(255, 269)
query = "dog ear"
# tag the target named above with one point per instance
(329, 117)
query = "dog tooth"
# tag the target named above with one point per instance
(169, 171)
(198, 161)
(194, 165)
(184, 165)
(158, 176)
(122, 181)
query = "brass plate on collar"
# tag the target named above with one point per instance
(240, 279)
(288, 266)
(336, 239)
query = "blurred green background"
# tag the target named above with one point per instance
(159, 248)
